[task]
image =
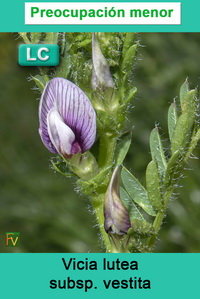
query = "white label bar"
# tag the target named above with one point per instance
(102, 13)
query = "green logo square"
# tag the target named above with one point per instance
(12, 239)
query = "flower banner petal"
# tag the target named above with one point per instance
(74, 109)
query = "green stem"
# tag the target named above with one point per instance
(97, 204)
(159, 218)
(112, 243)
(106, 150)
(106, 159)
(25, 38)
(43, 72)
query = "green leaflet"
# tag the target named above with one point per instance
(153, 185)
(40, 82)
(64, 67)
(62, 168)
(134, 213)
(62, 42)
(123, 147)
(141, 228)
(81, 72)
(96, 185)
(182, 134)
(111, 46)
(157, 151)
(109, 120)
(127, 63)
(183, 90)
(195, 139)
(172, 119)
(35, 37)
(188, 105)
(84, 43)
(129, 95)
(51, 38)
(183, 131)
(25, 37)
(173, 169)
(136, 191)
(128, 42)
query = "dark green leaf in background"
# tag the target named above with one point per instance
(123, 147)
(136, 191)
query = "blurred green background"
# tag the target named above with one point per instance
(42, 205)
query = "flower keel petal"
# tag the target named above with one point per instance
(61, 136)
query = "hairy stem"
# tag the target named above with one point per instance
(106, 159)
(159, 218)
(106, 150)
(97, 204)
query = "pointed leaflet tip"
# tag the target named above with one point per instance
(172, 119)
(183, 91)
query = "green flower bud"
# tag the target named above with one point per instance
(84, 165)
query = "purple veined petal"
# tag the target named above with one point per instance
(75, 110)
(115, 213)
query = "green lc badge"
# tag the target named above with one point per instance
(38, 55)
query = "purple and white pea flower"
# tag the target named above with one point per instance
(67, 118)
(115, 213)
